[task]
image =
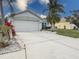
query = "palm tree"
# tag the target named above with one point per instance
(75, 20)
(1, 8)
(68, 18)
(10, 5)
(54, 8)
(4, 35)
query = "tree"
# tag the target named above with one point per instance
(5, 30)
(75, 19)
(10, 2)
(1, 8)
(68, 18)
(54, 10)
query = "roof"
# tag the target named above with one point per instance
(33, 13)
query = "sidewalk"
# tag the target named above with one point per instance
(15, 52)
(14, 55)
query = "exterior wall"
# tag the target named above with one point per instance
(40, 26)
(45, 24)
(64, 25)
(27, 22)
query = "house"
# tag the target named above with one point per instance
(45, 24)
(27, 21)
(65, 25)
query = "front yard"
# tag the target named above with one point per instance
(69, 33)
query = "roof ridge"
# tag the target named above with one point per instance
(28, 10)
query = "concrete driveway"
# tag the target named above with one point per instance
(48, 45)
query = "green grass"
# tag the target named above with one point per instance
(69, 33)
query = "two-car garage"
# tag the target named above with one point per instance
(27, 21)
(27, 26)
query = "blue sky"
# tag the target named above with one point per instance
(38, 6)
(68, 6)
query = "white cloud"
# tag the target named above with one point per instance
(31, 1)
(43, 16)
(22, 4)
(44, 1)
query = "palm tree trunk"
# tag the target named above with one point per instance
(2, 11)
(53, 27)
(1, 7)
(11, 7)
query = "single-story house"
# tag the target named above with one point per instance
(27, 21)
(65, 25)
(45, 24)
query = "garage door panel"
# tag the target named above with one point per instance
(26, 26)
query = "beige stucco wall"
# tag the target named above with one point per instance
(61, 25)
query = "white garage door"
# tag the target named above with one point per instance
(24, 26)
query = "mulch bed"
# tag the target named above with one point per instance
(12, 46)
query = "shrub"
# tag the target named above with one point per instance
(4, 35)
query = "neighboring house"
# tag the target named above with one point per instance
(65, 25)
(45, 24)
(27, 21)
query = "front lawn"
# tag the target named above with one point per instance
(69, 33)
